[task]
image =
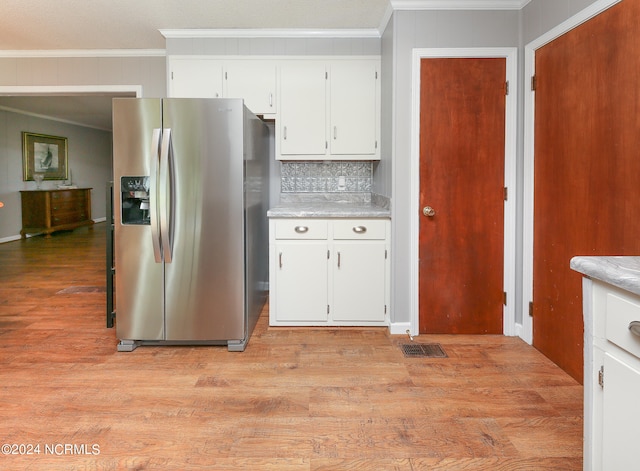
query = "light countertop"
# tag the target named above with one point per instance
(621, 271)
(328, 209)
(327, 205)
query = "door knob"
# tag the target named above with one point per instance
(428, 211)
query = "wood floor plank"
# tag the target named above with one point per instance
(298, 399)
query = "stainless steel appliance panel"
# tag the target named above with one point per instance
(204, 280)
(138, 277)
(256, 164)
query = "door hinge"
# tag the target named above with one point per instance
(506, 88)
(504, 298)
(601, 376)
(506, 193)
(534, 83)
(531, 309)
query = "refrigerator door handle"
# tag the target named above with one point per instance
(153, 195)
(165, 196)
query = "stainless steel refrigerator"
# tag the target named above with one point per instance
(190, 229)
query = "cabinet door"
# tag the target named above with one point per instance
(354, 104)
(301, 281)
(621, 415)
(359, 281)
(302, 124)
(255, 82)
(195, 78)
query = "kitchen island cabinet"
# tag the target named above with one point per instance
(329, 271)
(611, 299)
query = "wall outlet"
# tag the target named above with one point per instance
(342, 182)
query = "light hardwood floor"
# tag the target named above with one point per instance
(296, 399)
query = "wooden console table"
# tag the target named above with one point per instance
(47, 211)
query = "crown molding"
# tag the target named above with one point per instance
(25, 53)
(268, 33)
(458, 4)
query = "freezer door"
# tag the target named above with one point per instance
(138, 276)
(205, 278)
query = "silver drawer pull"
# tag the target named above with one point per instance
(301, 229)
(634, 327)
(359, 229)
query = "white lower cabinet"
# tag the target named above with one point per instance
(612, 378)
(301, 278)
(621, 415)
(329, 271)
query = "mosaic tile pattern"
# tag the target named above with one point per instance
(324, 177)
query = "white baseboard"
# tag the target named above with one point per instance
(399, 328)
(9, 239)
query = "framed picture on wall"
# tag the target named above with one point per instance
(43, 154)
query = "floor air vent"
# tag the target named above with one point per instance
(423, 350)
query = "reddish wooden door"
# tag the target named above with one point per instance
(587, 169)
(462, 142)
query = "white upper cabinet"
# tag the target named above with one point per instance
(354, 108)
(254, 81)
(340, 121)
(195, 78)
(302, 116)
(325, 107)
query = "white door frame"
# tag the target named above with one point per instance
(511, 55)
(529, 127)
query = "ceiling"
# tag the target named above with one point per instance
(73, 25)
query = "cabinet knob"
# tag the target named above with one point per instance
(634, 328)
(359, 229)
(301, 229)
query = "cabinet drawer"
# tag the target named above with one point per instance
(301, 229)
(66, 196)
(620, 312)
(352, 229)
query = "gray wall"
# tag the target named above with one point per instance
(446, 29)
(540, 16)
(89, 150)
(150, 72)
(411, 29)
(274, 46)
(89, 159)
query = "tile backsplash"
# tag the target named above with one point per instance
(326, 177)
